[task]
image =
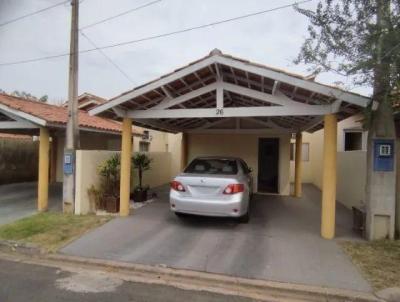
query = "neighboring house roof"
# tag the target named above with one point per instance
(15, 136)
(87, 101)
(53, 116)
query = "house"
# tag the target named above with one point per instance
(223, 105)
(48, 122)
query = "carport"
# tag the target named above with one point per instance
(48, 122)
(225, 104)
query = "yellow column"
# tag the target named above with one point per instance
(126, 154)
(298, 165)
(329, 177)
(184, 151)
(43, 178)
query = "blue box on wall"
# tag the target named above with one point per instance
(69, 162)
(383, 155)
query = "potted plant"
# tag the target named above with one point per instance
(141, 162)
(110, 172)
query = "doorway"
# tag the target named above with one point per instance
(268, 165)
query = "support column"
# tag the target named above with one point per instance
(298, 165)
(126, 154)
(329, 177)
(184, 151)
(43, 177)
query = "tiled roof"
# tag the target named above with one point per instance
(56, 115)
(15, 136)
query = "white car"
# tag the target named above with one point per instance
(213, 186)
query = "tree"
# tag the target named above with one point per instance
(361, 38)
(28, 96)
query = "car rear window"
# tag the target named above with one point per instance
(213, 166)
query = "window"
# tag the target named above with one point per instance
(352, 140)
(213, 166)
(144, 146)
(305, 151)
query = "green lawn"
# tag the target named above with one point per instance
(379, 261)
(50, 230)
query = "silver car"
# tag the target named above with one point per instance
(213, 186)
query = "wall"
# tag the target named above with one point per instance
(244, 146)
(351, 177)
(87, 162)
(307, 168)
(158, 142)
(351, 165)
(89, 141)
(18, 160)
(175, 148)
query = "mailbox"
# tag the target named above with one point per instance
(383, 155)
(69, 162)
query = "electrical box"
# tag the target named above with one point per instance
(69, 161)
(383, 155)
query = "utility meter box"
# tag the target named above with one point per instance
(69, 162)
(383, 155)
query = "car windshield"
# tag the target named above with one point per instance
(212, 166)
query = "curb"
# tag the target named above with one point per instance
(261, 290)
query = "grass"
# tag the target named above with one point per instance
(378, 260)
(49, 230)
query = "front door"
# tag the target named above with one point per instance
(268, 165)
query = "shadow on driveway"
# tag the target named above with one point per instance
(20, 200)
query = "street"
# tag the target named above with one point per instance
(27, 282)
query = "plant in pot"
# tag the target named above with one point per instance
(110, 172)
(141, 162)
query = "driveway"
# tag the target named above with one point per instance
(280, 243)
(20, 200)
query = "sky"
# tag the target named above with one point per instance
(273, 39)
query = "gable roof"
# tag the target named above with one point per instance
(53, 116)
(198, 81)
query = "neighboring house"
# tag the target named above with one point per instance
(151, 141)
(48, 123)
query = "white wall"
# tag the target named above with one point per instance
(244, 146)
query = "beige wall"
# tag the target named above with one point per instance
(89, 141)
(244, 146)
(158, 142)
(351, 165)
(87, 163)
(307, 171)
(175, 148)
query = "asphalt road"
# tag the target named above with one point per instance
(26, 282)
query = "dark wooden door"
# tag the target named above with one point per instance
(268, 165)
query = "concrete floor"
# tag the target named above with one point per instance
(281, 242)
(20, 200)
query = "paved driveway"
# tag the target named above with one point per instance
(20, 200)
(280, 243)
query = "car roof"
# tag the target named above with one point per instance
(218, 157)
